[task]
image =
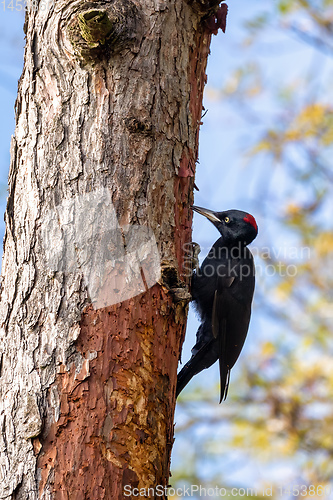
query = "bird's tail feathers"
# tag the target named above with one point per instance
(224, 381)
(183, 377)
(224, 368)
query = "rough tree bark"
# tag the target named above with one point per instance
(109, 101)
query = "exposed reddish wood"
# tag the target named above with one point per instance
(184, 182)
(116, 411)
(198, 81)
(218, 20)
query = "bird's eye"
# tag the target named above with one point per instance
(226, 219)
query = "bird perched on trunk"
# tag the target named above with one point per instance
(222, 290)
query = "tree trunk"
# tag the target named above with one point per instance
(94, 293)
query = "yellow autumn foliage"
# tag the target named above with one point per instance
(268, 349)
(324, 244)
(284, 289)
(314, 121)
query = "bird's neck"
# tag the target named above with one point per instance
(228, 249)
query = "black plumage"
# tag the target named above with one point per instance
(222, 291)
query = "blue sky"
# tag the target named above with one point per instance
(11, 63)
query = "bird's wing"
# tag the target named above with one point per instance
(215, 318)
(224, 368)
(223, 283)
(219, 328)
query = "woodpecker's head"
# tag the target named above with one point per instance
(235, 226)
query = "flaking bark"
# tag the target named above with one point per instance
(87, 396)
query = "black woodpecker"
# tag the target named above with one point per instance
(222, 291)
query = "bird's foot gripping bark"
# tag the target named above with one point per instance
(171, 281)
(218, 20)
(195, 255)
(191, 260)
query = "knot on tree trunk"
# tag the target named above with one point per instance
(95, 27)
(97, 30)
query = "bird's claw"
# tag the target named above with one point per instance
(191, 261)
(195, 255)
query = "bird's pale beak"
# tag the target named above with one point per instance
(207, 213)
